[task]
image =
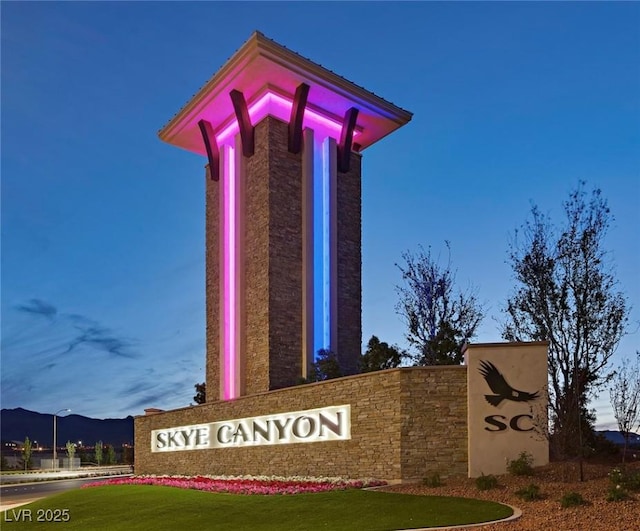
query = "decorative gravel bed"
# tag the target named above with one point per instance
(554, 481)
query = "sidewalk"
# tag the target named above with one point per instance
(31, 478)
(50, 475)
(15, 505)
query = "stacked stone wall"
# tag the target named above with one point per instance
(256, 262)
(285, 258)
(212, 283)
(434, 422)
(349, 266)
(405, 423)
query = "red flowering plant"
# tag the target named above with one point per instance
(245, 484)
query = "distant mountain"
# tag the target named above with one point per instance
(16, 424)
(616, 437)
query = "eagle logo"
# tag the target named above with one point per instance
(502, 390)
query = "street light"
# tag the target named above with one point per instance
(55, 455)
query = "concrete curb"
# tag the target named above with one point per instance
(517, 513)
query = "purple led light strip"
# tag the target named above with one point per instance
(325, 231)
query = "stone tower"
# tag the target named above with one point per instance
(283, 137)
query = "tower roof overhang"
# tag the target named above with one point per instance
(262, 66)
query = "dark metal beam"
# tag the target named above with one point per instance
(211, 145)
(346, 139)
(244, 122)
(297, 116)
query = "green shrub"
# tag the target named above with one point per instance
(433, 480)
(486, 482)
(615, 476)
(625, 479)
(530, 493)
(522, 465)
(632, 481)
(617, 493)
(572, 499)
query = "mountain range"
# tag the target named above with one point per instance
(616, 437)
(17, 424)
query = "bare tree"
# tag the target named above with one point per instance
(440, 319)
(625, 398)
(566, 294)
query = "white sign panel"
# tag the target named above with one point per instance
(312, 425)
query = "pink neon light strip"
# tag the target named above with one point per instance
(230, 279)
(280, 107)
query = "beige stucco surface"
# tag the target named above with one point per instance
(517, 423)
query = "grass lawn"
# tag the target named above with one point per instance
(132, 507)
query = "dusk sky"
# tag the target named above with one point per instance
(103, 303)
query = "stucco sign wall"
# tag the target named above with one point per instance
(507, 405)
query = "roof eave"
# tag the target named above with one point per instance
(259, 45)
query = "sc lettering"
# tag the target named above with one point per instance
(499, 423)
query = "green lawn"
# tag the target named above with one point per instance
(131, 507)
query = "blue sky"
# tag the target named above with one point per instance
(103, 224)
